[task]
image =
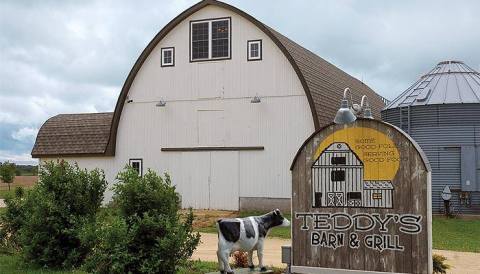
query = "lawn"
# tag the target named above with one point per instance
(5, 192)
(13, 265)
(448, 234)
(456, 234)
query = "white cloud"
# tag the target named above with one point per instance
(23, 158)
(73, 56)
(25, 134)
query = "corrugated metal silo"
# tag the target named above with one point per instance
(441, 111)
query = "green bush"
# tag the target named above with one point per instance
(143, 231)
(65, 199)
(11, 222)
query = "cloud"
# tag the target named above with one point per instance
(24, 134)
(73, 56)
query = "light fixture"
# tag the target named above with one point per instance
(161, 103)
(345, 114)
(255, 100)
(367, 111)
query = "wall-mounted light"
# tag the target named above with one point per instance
(161, 103)
(255, 100)
(345, 114)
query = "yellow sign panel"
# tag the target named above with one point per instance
(375, 149)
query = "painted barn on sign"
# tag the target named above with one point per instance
(218, 100)
(337, 181)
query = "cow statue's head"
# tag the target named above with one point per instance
(278, 219)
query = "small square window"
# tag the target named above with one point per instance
(137, 165)
(377, 196)
(338, 160)
(337, 175)
(168, 57)
(254, 50)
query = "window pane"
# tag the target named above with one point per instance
(337, 175)
(254, 50)
(200, 40)
(339, 160)
(220, 37)
(136, 166)
(167, 57)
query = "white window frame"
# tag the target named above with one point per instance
(249, 50)
(140, 162)
(162, 61)
(209, 21)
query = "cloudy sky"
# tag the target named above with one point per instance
(62, 56)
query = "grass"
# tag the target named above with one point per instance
(5, 192)
(13, 265)
(456, 234)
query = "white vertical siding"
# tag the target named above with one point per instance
(214, 97)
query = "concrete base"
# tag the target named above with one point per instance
(264, 204)
(246, 271)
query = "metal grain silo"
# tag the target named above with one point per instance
(441, 111)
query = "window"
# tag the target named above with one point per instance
(137, 164)
(254, 50)
(354, 195)
(318, 199)
(168, 57)
(377, 196)
(338, 160)
(210, 39)
(337, 175)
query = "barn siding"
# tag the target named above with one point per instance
(279, 123)
(441, 131)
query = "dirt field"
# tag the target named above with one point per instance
(23, 181)
(205, 218)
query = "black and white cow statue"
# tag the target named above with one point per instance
(245, 234)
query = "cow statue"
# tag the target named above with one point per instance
(245, 234)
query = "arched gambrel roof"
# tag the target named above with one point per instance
(322, 82)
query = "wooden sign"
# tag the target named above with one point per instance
(361, 200)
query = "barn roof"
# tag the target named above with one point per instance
(323, 82)
(73, 134)
(449, 82)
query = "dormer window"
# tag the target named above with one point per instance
(254, 50)
(168, 57)
(210, 39)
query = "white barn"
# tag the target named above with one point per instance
(338, 181)
(218, 100)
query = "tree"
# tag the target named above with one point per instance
(7, 173)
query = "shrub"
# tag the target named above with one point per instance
(65, 199)
(144, 232)
(11, 222)
(439, 265)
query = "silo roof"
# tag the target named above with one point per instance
(449, 82)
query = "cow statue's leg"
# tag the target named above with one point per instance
(221, 266)
(260, 254)
(250, 260)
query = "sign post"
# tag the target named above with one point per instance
(361, 202)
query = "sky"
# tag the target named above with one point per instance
(66, 56)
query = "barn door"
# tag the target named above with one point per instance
(195, 174)
(224, 178)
